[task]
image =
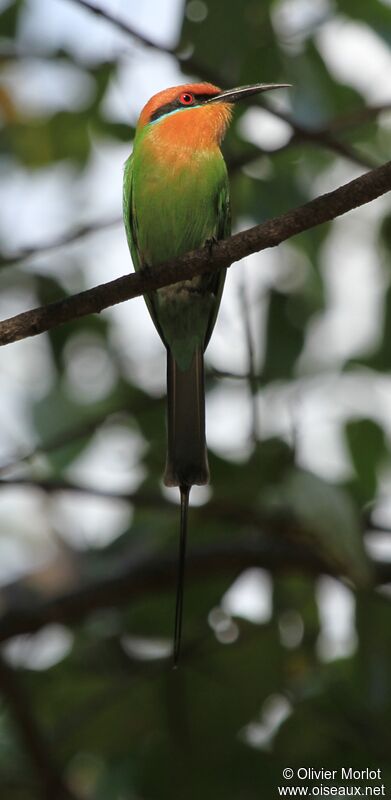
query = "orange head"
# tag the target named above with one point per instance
(182, 115)
(193, 115)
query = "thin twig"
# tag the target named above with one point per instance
(62, 439)
(191, 62)
(234, 163)
(320, 137)
(359, 116)
(25, 253)
(362, 190)
(241, 514)
(124, 27)
(51, 486)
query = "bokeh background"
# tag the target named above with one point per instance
(287, 634)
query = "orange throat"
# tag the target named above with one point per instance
(194, 129)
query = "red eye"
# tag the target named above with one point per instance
(186, 98)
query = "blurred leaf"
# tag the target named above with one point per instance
(267, 466)
(376, 14)
(294, 604)
(153, 615)
(276, 192)
(317, 96)
(385, 231)
(329, 520)
(9, 18)
(368, 451)
(103, 73)
(37, 142)
(284, 336)
(219, 37)
(40, 142)
(119, 774)
(115, 130)
(380, 357)
(7, 105)
(54, 416)
(50, 290)
(374, 637)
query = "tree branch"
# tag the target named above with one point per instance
(232, 512)
(138, 575)
(191, 63)
(125, 27)
(320, 137)
(323, 138)
(269, 234)
(62, 439)
(234, 163)
(358, 116)
(10, 259)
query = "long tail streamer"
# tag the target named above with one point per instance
(185, 492)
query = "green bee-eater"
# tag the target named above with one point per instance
(176, 199)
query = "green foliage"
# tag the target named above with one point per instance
(285, 337)
(9, 18)
(120, 723)
(66, 135)
(328, 520)
(221, 42)
(374, 14)
(368, 450)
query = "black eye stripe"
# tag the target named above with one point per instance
(166, 109)
(175, 104)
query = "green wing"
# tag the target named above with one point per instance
(131, 228)
(212, 284)
(223, 229)
(130, 220)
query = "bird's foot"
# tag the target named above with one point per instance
(146, 271)
(210, 243)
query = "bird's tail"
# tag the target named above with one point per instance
(187, 460)
(185, 491)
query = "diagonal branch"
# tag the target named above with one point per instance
(10, 259)
(125, 27)
(32, 736)
(234, 163)
(323, 138)
(362, 190)
(358, 116)
(191, 63)
(139, 574)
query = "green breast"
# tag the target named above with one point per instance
(178, 204)
(176, 201)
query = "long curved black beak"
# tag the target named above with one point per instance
(233, 95)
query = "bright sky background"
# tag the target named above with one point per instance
(48, 204)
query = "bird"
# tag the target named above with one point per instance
(176, 199)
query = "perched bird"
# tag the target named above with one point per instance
(176, 199)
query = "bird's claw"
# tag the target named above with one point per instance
(210, 243)
(146, 270)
